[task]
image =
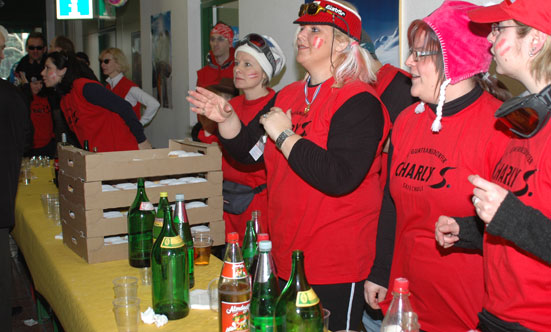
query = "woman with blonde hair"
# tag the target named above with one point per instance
(114, 64)
(322, 156)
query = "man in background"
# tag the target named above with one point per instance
(34, 60)
(220, 58)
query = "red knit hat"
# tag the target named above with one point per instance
(336, 15)
(534, 13)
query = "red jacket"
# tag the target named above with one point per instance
(121, 90)
(41, 116)
(212, 73)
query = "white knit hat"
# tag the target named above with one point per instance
(275, 50)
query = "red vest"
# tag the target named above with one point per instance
(121, 90)
(41, 117)
(104, 130)
(212, 73)
(337, 234)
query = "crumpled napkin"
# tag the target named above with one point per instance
(149, 317)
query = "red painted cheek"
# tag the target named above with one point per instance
(504, 51)
(500, 49)
(255, 75)
(318, 42)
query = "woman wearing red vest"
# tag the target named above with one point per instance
(322, 156)
(435, 145)
(114, 64)
(514, 228)
(93, 113)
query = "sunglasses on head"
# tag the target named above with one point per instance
(32, 48)
(525, 116)
(261, 45)
(313, 8)
(104, 61)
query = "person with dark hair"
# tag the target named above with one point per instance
(83, 57)
(33, 62)
(62, 44)
(220, 57)
(435, 145)
(92, 112)
(322, 151)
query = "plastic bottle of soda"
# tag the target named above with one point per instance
(169, 266)
(181, 222)
(159, 217)
(298, 308)
(141, 215)
(234, 289)
(265, 291)
(400, 316)
(250, 248)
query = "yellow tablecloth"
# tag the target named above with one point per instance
(81, 294)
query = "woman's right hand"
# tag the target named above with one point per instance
(210, 105)
(446, 231)
(374, 294)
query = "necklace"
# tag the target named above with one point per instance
(308, 103)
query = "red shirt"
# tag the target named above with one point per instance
(337, 234)
(213, 72)
(251, 175)
(428, 178)
(518, 284)
(121, 90)
(104, 129)
(41, 116)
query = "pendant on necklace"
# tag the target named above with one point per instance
(307, 109)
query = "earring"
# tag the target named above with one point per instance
(531, 52)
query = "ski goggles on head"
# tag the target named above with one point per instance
(525, 116)
(261, 45)
(312, 9)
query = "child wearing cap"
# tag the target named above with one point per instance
(325, 136)
(435, 145)
(512, 199)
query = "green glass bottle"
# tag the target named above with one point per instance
(298, 308)
(169, 262)
(265, 291)
(181, 222)
(86, 146)
(141, 216)
(159, 217)
(250, 248)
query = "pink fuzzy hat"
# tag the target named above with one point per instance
(464, 45)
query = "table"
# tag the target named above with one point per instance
(81, 294)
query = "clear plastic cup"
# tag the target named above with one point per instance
(125, 286)
(127, 313)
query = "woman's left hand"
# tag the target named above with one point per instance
(275, 122)
(487, 197)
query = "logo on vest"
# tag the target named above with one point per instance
(507, 176)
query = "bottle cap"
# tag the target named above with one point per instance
(265, 245)
(232, 237)
(164, 194)
(255, 214)
(262, 237)
(180, 197)
(401, 285)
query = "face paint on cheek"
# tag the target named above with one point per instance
(499, 48)
(505, 51)
(253, 75)
(318, 42)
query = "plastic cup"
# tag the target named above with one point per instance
(145, 275)
(52, 208)
(202, 243)
(127, 310)
(213, 294)
(326, 314)
(125, 287)
(26, 175)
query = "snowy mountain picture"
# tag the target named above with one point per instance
(387, 48)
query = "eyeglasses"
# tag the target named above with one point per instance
(104, 61)
(312, 9)
(261, 45)
(496, 28)
(419, 54)
(32, 48)
(525, 116)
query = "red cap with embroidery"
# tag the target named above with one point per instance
(337, 15)
(534, 13)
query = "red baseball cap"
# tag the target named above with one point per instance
(336, 15)
(534, 13)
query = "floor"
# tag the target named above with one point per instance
(22, 298)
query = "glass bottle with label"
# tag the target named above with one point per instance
(159, 217)
(234, 289)
(169, 266)
(141, 215)
(298, 308)
(400, 316)
(255, 216)
(249, 246)
(181, 222)
(265, 291)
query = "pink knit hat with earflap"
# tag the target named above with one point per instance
(465, 49)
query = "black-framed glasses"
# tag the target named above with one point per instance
(260, 44)
(104, 61)
(417, 55)
(32, 48)
(496, 28)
